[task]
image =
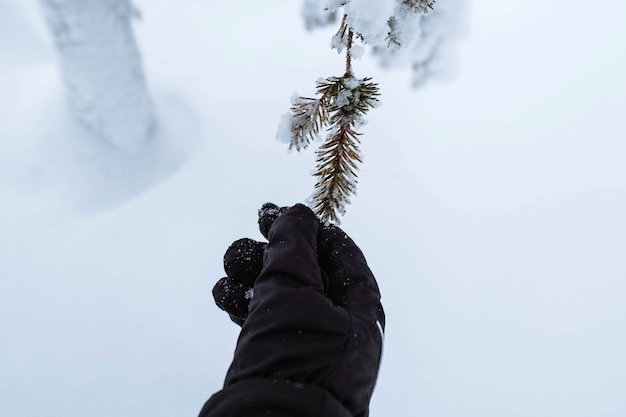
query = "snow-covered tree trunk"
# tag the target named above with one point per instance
(102, 69)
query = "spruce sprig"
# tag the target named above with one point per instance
(338, 158)
(341, 107)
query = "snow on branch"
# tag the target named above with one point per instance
(425, 44)
(348, 100)
(393, 28)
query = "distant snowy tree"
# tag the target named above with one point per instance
(102, 69)
(399, 32)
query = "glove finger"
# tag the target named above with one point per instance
(350, 280)
(243, 261)
(268, 213)
(291, 254)
(232, 297)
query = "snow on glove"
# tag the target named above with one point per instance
(243, 262)
(232, 297)
(268, 213)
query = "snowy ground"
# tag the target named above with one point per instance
(490, 209)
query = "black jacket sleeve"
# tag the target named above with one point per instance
(298, 351)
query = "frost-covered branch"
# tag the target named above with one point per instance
(338, 158)
(424, 44)
(414, 33)
(390, 27)
(341, 107)
(343, 103)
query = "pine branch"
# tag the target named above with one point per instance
(337, 160)
(342, 105)
(336, 173)
(343, 101)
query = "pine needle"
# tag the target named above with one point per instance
(308, 116)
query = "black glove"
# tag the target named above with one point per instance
(312, 340)
(243, 262)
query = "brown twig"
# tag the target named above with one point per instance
(349, 54)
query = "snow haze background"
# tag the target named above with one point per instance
(490, 207)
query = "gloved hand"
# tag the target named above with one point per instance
(312, 339)
(243, 262)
